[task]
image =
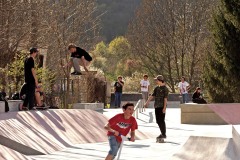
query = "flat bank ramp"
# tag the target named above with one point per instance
(229, 112)
(44, 132)
(207, 148)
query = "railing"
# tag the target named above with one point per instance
(139, 107)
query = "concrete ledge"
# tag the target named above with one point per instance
(14, 105)
(92, 106)
(2, 106)
(236, 139)
(192, 113)
(26, 150)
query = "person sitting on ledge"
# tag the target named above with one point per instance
(197, 98)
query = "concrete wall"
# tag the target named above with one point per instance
(92, 106)
(173, 99)
(137, 96)
(14, 105)
(192, 113)
(236, 139)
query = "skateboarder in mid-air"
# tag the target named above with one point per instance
(118, 125)
(78, 57)
(160, 93)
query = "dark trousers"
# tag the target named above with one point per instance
(160, 118)
(30, 95)
(199, 101)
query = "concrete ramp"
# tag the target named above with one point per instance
(207, 148)
(45, 132)
(236, 139)
(229, 112)
(9, 154)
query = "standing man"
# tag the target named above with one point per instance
(144, 84)
(30, 79)
(183, 89)
(78, 57)
(118, 125)
(118, 86)
(160, 93)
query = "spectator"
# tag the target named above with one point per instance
(183, 89)
(197, 97)
(118, 125)
(3, 97)
(144, 84)
(30, 79)
(78, 57)
(39, 96)
(118, 87)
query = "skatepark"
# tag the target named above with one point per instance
(79, 134)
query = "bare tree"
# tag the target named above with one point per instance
(49, 25)
(169, 36)
(69, 22)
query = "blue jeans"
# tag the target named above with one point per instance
(118, 98)
(114, 146)
(185, 98)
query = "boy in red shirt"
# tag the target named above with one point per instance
(118, 125)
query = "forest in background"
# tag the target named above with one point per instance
(116, 15)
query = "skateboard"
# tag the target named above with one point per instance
(42, 108)
(159, 140)
(37, 108)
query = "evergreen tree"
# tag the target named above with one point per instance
(222, 71)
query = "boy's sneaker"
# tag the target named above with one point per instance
(162, 136)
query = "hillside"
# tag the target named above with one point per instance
(116, 17)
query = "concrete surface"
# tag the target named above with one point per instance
(14, 105)
(79, 135)
(193, 113)
(224, 113)
(92, 106)
(2, 106)
(229, 112)
(236, 139)
(199, 148)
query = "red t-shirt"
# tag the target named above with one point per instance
(122, 125)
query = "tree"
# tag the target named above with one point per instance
(222, 71)
(169, 37)
(115, 58)
(14, 28)
(14, 74)
(49, 25)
